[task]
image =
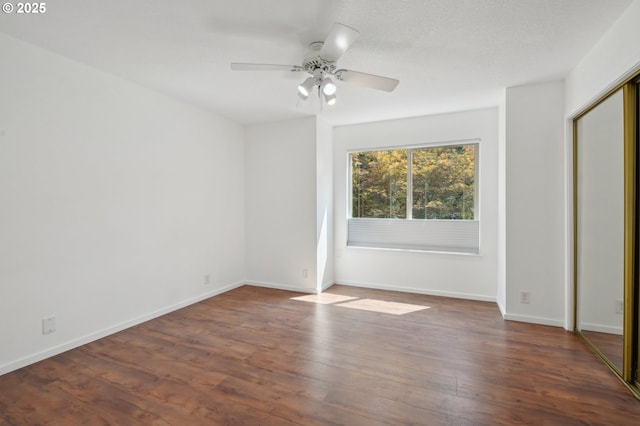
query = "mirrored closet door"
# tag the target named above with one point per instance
(606, 220)
(600, 226)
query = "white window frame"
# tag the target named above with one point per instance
(434, 235)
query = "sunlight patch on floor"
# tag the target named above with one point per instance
(324, 298)
(394, 308)
(385, 307)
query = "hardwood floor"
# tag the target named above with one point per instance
(254, 356)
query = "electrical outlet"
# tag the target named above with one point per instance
(619, 307)
(525, 297)
(305, 274)
(207, 279)
(48, 325)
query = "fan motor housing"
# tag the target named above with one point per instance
(313, 61)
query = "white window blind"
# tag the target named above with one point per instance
(454, 236)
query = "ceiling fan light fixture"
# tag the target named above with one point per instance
(328, 87)
(330, 99)
(304, 89)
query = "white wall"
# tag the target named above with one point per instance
(281, 224)
(116, 201)
(501, 296)
(455, 275)
(324, 204)
(615, 57)
(535, 194)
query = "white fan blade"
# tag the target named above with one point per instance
(367, 80)
(236, 66)
(338, 41)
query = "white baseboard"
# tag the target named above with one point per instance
(534, 320)
(601, 328)
(277, 286)
(58, 349)
(419, 291)
(503, 311)
(326, 285)
(505, 315)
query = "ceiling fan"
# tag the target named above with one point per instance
(321, 63)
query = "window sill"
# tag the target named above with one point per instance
(422, 251)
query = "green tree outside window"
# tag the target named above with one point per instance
(442, 183)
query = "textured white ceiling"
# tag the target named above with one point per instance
(447, 54)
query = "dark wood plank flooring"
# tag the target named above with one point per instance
(254, 356)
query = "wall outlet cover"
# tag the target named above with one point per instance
(48, 325)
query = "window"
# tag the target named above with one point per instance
(379, 184)
(443, 182)
(415, 198)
